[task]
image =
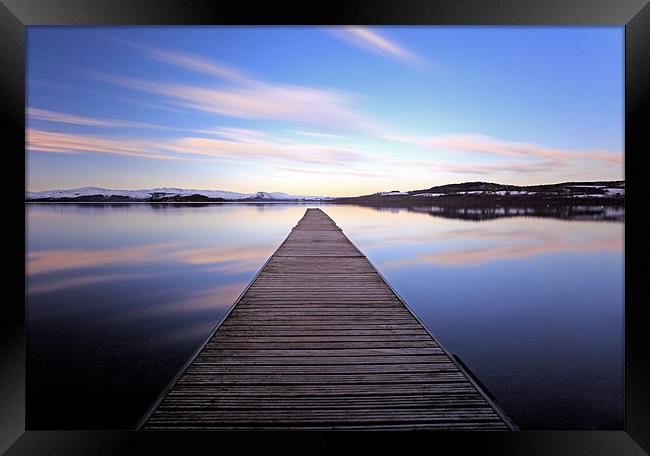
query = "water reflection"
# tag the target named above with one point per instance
(534, 306)
(132, 287)
(120, 295)
(221, 296)
(51, 270)
(47, 261)
(473, 256)
(576, 212)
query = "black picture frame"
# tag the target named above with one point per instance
(15, 15)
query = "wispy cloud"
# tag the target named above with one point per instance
(112, 96)
(196, 63)
(233, 144)
(59, 117)
(496, 168)
(239, 95)
(529, 157)
(373, 41)
(233, 150)
(239, 134)
(199, 64)
(74, 143)
(345, 171)
(72, 119)
(315, 134)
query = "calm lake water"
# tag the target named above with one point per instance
(119, 296)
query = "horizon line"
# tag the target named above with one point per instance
(263, 191)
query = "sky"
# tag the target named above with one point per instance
(330, 111)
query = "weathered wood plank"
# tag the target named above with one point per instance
(320, 341)
(322, 334)
(216, 369)
(319, 360)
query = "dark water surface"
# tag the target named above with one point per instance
(120, 295)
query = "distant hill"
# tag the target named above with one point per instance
(104, 195)
(488, 193)
(461, 194)
(565, 187)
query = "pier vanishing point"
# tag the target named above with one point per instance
(319, 340)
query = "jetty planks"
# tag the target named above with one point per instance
(319, 340)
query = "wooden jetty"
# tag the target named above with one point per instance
(319, 340)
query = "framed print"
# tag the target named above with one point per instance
(312, 222)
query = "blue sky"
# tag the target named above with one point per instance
(329, 111)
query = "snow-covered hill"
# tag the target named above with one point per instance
(600, 189)
(164, 192)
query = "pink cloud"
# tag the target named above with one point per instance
(495, 147)
(364, 38)
(234, 150)
(247, 98)
(247, 145)
(67, 143)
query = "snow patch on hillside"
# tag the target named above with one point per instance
(393, 193)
